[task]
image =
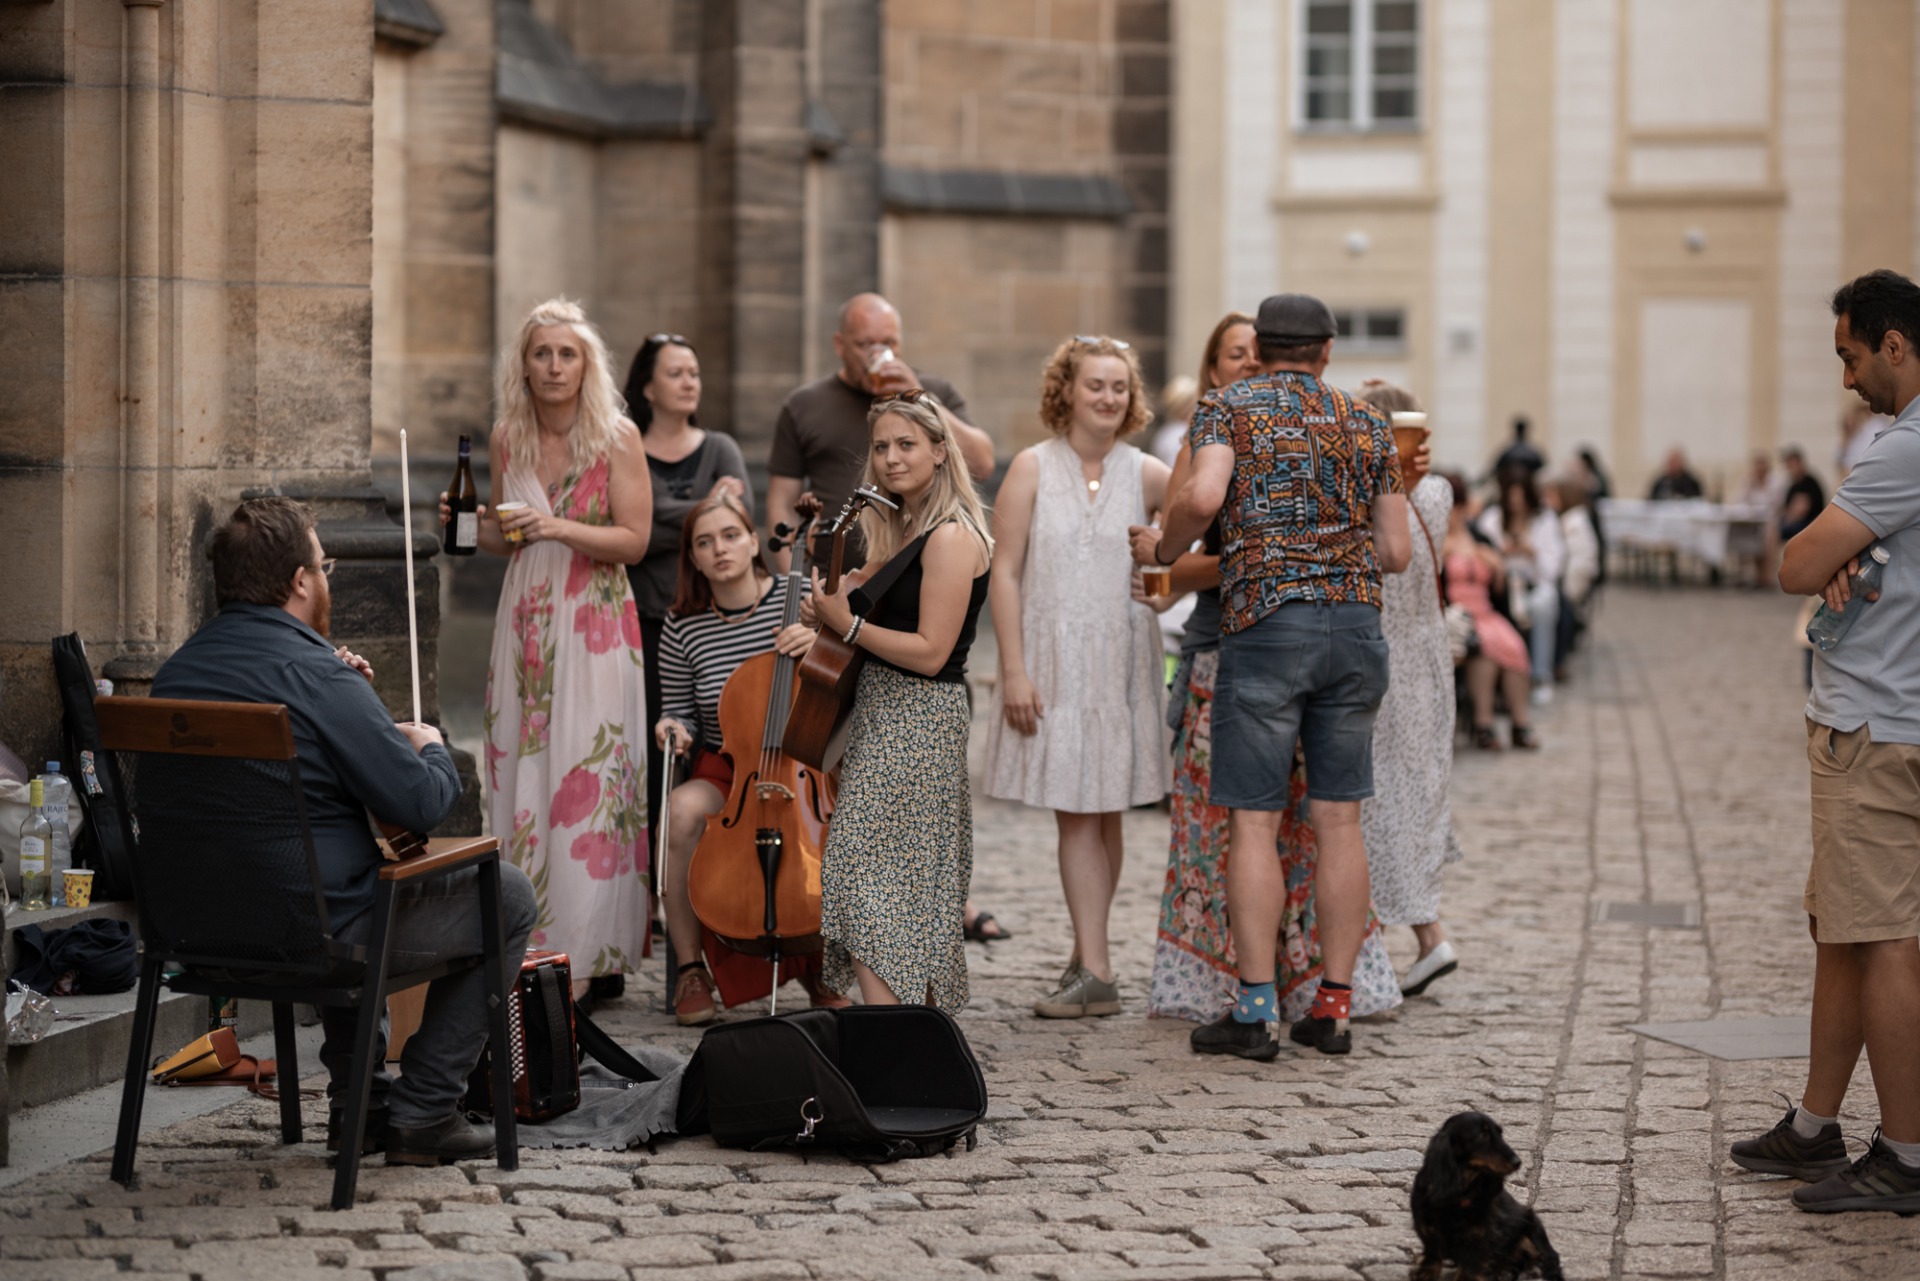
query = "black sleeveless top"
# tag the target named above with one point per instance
(898, 609)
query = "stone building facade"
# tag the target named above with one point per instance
(733, 169)
(261, 236)
(1620, 219)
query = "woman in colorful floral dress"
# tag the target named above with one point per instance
(1194, 974)
(566, 716)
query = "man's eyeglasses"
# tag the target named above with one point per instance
(325, 567)
(1095, 340)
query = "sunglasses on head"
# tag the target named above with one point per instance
(912, 395)
(678, 340)
(1095, 340)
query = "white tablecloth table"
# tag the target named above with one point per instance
(1690, 525)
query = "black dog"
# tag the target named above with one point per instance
(1464, 1213)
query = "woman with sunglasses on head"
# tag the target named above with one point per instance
(727, 610)
(687, 465)
(899, 852)
(1076, 720)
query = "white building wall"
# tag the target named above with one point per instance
(1463, 132)
(1256, 113)
(1586, 71)
(1811, 228)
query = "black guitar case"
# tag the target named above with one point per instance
(877, 1083)
(105, 843)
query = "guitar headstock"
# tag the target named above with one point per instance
(864, 496)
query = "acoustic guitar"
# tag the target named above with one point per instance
(825, 681)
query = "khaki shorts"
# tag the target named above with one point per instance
(1864, 885)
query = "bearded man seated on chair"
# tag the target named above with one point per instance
(268, 644)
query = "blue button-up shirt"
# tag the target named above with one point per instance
(352, 757)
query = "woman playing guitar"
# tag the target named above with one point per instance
(899, 854)
(727, 611)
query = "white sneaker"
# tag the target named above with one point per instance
(1542, 695)
(1438, 963)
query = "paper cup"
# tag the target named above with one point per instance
(77, 884)
(504, 509)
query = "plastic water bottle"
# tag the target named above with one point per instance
(1829, 626)
(35, 836)
(59, 791)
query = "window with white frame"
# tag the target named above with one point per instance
(1359, 65)
(1371, 331)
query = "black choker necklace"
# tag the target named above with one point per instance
(724, 612)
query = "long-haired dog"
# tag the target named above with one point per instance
(1464, 1213)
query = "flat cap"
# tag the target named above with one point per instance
(1294, 318)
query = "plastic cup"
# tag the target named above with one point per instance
(504, 509)
(1409, 433)
(78, 884)
(1156, 582)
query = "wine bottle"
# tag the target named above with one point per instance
(462, 534)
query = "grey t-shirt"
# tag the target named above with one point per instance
(1872, 677)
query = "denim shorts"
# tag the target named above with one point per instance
(1310, 672)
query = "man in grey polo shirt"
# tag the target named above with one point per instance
(1863, 749)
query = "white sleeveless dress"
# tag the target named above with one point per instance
(1093, 654)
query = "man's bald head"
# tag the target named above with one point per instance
(868, 323)
(862, 310)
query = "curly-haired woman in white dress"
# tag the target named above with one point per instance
(1076, 725)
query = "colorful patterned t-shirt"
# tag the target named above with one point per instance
(1297, 525)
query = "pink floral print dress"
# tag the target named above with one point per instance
(565, 722)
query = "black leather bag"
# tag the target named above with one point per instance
(105, 842)
(877, 1083)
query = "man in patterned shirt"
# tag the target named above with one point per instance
(1306, 483)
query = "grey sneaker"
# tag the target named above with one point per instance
(1877, 1181)
(1079, 997)
(1781, 1151)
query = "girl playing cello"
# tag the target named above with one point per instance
(727, 611)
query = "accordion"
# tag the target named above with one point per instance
(544, 1056)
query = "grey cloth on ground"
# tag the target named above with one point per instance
(615, 1113)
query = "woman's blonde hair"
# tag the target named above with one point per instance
(1056, 383)
(596, 432)
(953, 497)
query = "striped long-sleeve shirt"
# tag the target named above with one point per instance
(698, 653)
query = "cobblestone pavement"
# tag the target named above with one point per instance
(1673, 772)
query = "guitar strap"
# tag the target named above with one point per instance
(870, 593)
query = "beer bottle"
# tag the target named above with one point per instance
(462, 534)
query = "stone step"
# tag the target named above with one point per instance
(87, 1046)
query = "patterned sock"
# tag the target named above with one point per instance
(1258, 1003)
(1807, 1125)
(1332, 1001)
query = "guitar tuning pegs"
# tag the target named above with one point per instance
(782, 529)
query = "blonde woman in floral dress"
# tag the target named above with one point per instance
(566, 716)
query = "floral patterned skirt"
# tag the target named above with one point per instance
(899, 853)
(1194, 975)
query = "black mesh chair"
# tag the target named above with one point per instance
(228, 890)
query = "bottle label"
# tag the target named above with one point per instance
(33, 849)
(56, 812)
(466, 530)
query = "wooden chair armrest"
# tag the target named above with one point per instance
(444, 854)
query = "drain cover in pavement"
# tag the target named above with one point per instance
(1778, 1038)
(1673, 916)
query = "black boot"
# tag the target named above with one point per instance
(454, 1139)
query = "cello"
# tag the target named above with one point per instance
(754, 878)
